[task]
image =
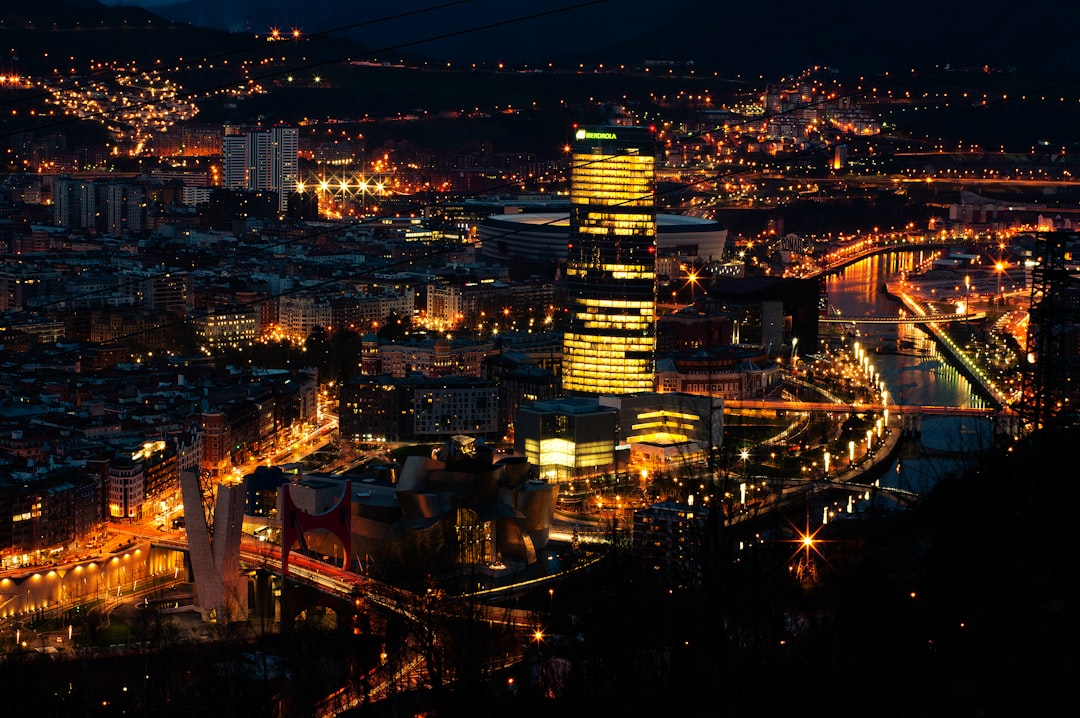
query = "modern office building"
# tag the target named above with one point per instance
(74, 203)
(262, 159)
(610, 335)
(670, 425)
(234, 170)
(567, 438)
(125, 209)
(668, 430)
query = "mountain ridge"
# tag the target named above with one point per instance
(730, 38)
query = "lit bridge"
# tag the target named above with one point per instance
(905, 496)
(346, 584)
(857, 408)
(924, 319)
(341, 583)
(1005, 421)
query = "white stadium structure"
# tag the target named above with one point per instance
(543, 236)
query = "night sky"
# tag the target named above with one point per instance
(747, 38)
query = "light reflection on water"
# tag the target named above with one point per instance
(913, 370)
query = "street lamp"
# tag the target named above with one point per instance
(851, 452)
(538, 635)
(1000, 267)
(967, 297)
(692, 278)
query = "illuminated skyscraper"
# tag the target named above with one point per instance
(610, 337)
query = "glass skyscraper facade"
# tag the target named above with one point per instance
(610, 337)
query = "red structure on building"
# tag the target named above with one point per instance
(296, 522)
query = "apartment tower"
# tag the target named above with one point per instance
(262, 159)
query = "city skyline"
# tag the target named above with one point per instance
(339, 383)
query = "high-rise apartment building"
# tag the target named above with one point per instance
(75, 203)
(261, 159)
(608, 346)
(234, 158)
(125, 209)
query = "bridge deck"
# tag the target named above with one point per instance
(923, 319)
(783, 405)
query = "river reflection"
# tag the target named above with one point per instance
(913, 370)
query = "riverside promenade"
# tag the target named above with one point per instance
(857, 473)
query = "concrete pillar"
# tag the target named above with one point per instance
(220, 592)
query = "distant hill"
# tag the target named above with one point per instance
(33, 36)
(39, 39)
(463, 29)
(749, 38)
(785, 36)
(78, 15)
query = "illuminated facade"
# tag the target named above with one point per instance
(227, 328)
(668, 429)
(144, 482)
(567, 438)
(610, 338)
(127, 485)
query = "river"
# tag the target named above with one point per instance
(913, 370)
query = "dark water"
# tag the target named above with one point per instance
(915, 373)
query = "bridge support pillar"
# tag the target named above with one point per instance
(910, 448)
(1006, 424)
(264, 589)
(911, 424)
(215, 560)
